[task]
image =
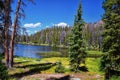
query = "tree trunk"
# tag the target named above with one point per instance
(6, 30)
(13, 35)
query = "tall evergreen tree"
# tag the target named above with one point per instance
(110, 62)
(76, 50)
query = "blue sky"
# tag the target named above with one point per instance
(46, 13)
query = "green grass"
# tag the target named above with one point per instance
(64, 61)
(90, 54)
(94, 52)
(91, 63)
(24, 65)
(50, 54)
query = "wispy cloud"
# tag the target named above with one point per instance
(47, 26)
(32, 25)
(28, 31)
(35, 31)
(61, 24)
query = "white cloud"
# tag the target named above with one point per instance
(28, 31)
(47, 26)
(61, 24)
(32, 25)
(35, 31)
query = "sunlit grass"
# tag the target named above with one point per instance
(64, 61)
(92, 65)
(94, 52)
(50, 54)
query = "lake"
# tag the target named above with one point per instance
(33, 50)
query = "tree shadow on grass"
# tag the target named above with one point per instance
(34, 65)
(83, 68)
(37, 68)
(21, 62)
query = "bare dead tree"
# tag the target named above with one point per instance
(7, 24)
(18, 14)
(15, 24)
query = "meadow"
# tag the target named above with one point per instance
(26, 68)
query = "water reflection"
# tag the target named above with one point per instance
(31, 51)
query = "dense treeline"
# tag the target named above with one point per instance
(92, 34)
(59, 35)
(53, 36)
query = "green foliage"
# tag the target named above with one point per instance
(3, 70)
(115, 78)
(110, 62)
(59, 68)
(77, 52)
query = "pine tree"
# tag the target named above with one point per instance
(76, 50)
(110, 62)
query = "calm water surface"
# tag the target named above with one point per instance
(32, 51)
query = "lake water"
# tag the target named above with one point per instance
(32, 51)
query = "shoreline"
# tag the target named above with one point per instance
(57, 46)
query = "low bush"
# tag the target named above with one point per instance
(3, 70)
(59, 68)
(115, 78)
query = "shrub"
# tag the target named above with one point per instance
(59, 68)
(3, 70)
(115, 78)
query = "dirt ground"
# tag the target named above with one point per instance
(75, 76)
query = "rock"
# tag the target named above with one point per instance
(75, 79)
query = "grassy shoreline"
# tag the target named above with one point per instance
(90, 54)
(37, 44)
